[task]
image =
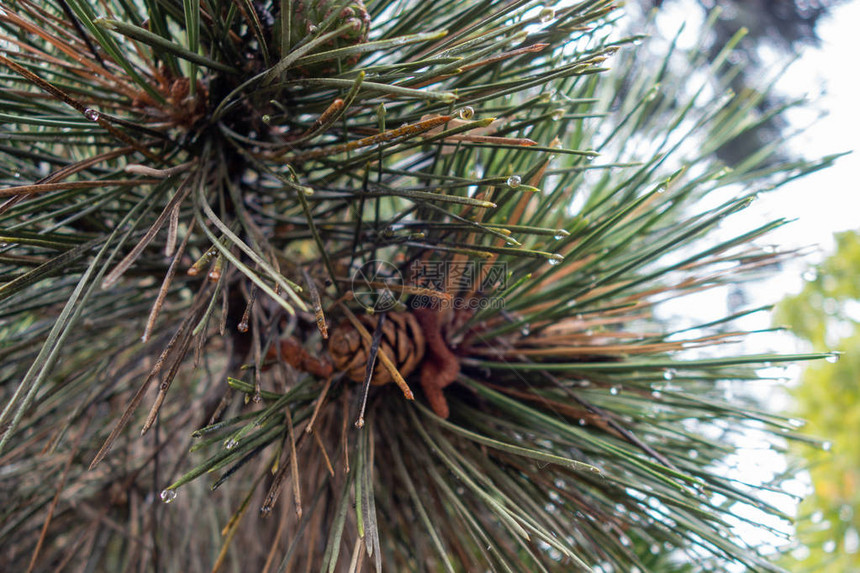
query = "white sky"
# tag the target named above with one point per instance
(822, 203)
(827, 201)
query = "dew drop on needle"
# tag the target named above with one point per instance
(546, 15)
(466, 113)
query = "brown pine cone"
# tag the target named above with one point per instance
(442, 366)
(308, 15)
(294, 354)
(402, 341)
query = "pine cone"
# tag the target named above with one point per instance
(294, 354)
(402, 342)
(306, 19)
(442, 366)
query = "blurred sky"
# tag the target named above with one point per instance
(829, 77)
(829, 200)
(822, 203)
(819, 204)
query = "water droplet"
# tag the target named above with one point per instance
(654, 549)
(91, 114)
(16, 175)
(582, 421)
(557, 113)
(570, 304)
(555, 259)
(829, 546)
(546, 15)
(827, 446)
(312, 29)
(466, 113)
(833, 357)
(810, 275)
(561, 234)
(693, 454)
(514, 181)
(656, 394)
(669, 374)
(168, 495)
(615, 390)
(267, 119)
(231, 443)
(526, 330)
(242, 326)
(797, 423)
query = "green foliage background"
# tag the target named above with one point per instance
(825, 314)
